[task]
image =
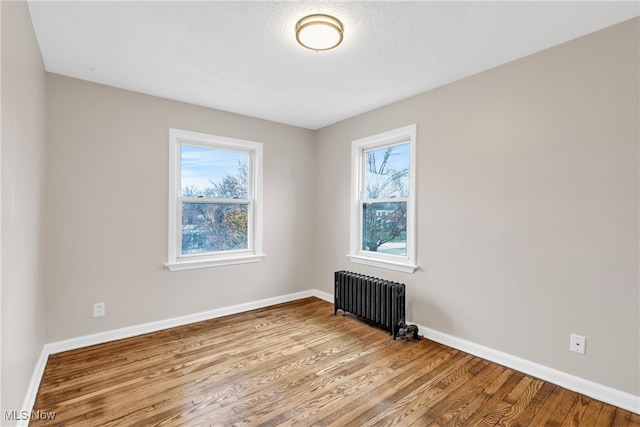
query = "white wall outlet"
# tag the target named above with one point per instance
(578, 344)
(98, 309)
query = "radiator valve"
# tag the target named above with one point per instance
(408, 331)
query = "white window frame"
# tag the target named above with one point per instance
(403, 135)
(177, 261)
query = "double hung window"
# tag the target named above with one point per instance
(383, 200)
(214, 201)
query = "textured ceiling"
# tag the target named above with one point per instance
(242, 57)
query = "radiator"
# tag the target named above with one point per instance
(378, 301)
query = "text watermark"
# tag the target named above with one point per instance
(29, 415)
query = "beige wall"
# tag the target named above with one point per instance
(107, 210)
(22, 152)
(528, 184)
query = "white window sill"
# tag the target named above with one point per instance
(212, 262)
(384, 263)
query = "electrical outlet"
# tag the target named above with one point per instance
(98, 309)
(578, 344)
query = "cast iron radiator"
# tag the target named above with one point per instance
(378, 301)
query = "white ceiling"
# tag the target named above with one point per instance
(242, 56)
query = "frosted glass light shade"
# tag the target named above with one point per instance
(319, 32)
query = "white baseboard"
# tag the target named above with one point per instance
(597, 391)
(323, 295)
(34, 385)
(574, 383)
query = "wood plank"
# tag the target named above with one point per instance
(457, 402)
(298, 364)
(634, 420)
(526, 404)
(591, 414)
(563, 410)
(475, 405)
(558, 395)
(577, 412)
(605, 418)
(621, 418)
(500, 410)
(489, 406)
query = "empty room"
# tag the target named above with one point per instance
(229, 213)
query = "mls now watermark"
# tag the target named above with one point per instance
(29, 415)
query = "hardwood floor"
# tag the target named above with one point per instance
(298, 364)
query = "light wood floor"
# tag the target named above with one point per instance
(298, 364)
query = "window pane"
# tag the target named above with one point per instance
(207, 172)
(384, 227)
(387, 172)
(213, 227)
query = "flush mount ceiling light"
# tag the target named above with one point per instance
(319, 32)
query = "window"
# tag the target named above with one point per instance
(383, 200)
(214, 201)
